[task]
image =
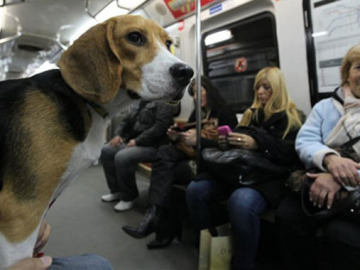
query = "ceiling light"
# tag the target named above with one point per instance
(218, 37)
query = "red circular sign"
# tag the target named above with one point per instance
(240, 64)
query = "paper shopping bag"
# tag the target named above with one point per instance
(215, 252)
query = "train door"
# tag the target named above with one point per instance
(232, 64)
(266, 32)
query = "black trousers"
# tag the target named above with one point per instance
(170, 167)
(336, 247)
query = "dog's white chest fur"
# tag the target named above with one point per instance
(85, 154)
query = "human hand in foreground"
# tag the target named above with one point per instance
(32, 264)
(43, 237)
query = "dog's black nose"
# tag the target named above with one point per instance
(182, 73)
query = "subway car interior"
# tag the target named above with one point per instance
(237, 38)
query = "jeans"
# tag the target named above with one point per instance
(83, 262)
(337, 247)
(119, 165)
(245, 205)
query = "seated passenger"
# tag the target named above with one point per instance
(139, 135)
(175, 157)
(331, 123)
(277, 116)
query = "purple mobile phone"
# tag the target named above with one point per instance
(224, 130)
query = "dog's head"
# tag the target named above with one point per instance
(127, 52)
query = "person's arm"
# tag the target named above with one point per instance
(163, 120)
(310, 142)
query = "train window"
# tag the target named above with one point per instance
(233, 54)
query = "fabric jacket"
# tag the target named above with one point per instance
(319, 124)
(147, 123)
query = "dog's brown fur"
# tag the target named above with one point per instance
(54, 126)
(23, 201)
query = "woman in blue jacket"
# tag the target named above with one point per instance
(332, 122)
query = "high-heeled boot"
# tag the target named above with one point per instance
(169, 228)
(146, 226)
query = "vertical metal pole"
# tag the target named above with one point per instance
(198, 80)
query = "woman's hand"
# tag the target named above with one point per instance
(223, 142)
(323, 190)
(43, 237)
(131, 143)
(116, 141)
(241, 140)
(189, 137)
(173, 134)
(344, 170)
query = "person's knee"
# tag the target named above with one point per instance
(247, 202)
(122, 158)
(106, 153)
(193, 191)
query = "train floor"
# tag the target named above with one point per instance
(82, 223)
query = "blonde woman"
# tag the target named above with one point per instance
(276, 122)
(331, 123)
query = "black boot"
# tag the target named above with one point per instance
(146, 226)
(169, 228)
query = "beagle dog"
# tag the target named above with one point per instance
(53, 124)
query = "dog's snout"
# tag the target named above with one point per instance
(182, 73)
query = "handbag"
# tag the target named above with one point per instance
(347, 203)
(241, 166)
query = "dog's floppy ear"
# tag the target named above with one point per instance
(91, 67)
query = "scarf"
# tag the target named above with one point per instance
(348, 126)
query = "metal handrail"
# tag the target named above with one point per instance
(198, 80)
(7, 39)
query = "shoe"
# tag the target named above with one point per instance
(161, 242)
(146, 226)
(123, 205)
(110, 197)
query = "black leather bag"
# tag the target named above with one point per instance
(240, 166)
(346, 205)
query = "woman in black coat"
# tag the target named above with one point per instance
(276, 122)
(173, 160)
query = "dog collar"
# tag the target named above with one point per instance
(97, 108)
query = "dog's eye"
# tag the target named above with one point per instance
(136, 38)
(168, 44)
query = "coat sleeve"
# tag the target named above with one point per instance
(124, 126)
(310, 142)
(163, 120)
(281, 151)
